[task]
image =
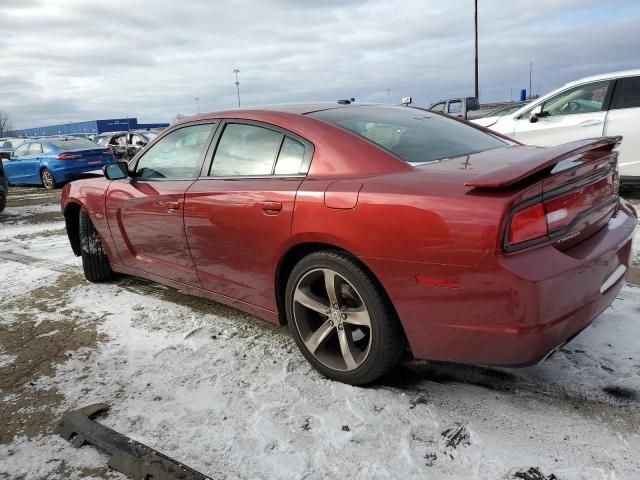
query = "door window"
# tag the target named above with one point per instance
(21, 151)
(291, 158)
(246, 150)
(438, 107)
(626, 94)
(586, 98)
(455, 106)
(177, 155)
(35, 149)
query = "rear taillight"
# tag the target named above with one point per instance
(68, 156)
(547, 219)
(108, 151)
(528, 224)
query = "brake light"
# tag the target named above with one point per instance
(68, 156)
(528, 224)
(549, 218)
(108, 151)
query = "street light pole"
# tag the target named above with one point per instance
(530, 69)
(236, 71)
(197, 105)
(477, 93)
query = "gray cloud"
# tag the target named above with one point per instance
(65, 60)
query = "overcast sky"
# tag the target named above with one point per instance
(75, 60)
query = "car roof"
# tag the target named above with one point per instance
(605, 76)
(292, 108)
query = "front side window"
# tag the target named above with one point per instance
(21, 151)
(626, 94)
(586, 98)
(177, 155)
(245, 150)
(438, 107)
(414, 135)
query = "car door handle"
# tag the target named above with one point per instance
(172, 206)
(590, 123)
(271, 208)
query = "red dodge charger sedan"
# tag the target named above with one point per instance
(368, 228)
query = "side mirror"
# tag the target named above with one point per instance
(140, 143)
(535, 114)
(116, 171)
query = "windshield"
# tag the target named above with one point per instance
(73, 144)
(414, 135)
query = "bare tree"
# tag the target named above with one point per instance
(5, 123)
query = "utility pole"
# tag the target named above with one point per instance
(197, 99)
(530, 69)
(236, 71)
(388, 92)
(477, 92)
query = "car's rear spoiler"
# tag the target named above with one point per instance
(571, 155)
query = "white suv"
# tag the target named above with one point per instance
(606, 104)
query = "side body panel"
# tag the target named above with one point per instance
(146, 223)
(626, 122)
(237, 230)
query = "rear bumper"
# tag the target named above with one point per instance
(511, 310)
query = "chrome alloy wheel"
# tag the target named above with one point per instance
(332, 320)
(47, 179)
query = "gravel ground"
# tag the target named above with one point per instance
(231, 396)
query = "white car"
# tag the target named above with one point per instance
(606, 104)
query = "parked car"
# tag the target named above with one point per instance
(456, 107)
(606, 104)
(364, 227)
(8, 145)
(4, 188)
(126, 144)
(52, 161)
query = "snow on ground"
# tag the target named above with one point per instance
(232, 397)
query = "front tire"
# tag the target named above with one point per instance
(47, 179)
(95, 262)
(341, 319)
(3, 201)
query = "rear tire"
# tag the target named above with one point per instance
(352, 335)
(46, 177)
(95, 262)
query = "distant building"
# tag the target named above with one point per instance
(91, 126)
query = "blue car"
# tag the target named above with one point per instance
(53, 161)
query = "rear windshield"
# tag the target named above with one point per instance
(414, 135)
(73, 144)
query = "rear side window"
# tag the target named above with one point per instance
(414, 135)
(245, 150)
(455, 106)
(626, 94)
(35, 148)
(290, 158)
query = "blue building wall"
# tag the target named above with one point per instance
(91, 126)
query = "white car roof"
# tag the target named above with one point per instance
(605, 76)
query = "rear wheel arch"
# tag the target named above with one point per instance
(296, 253)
